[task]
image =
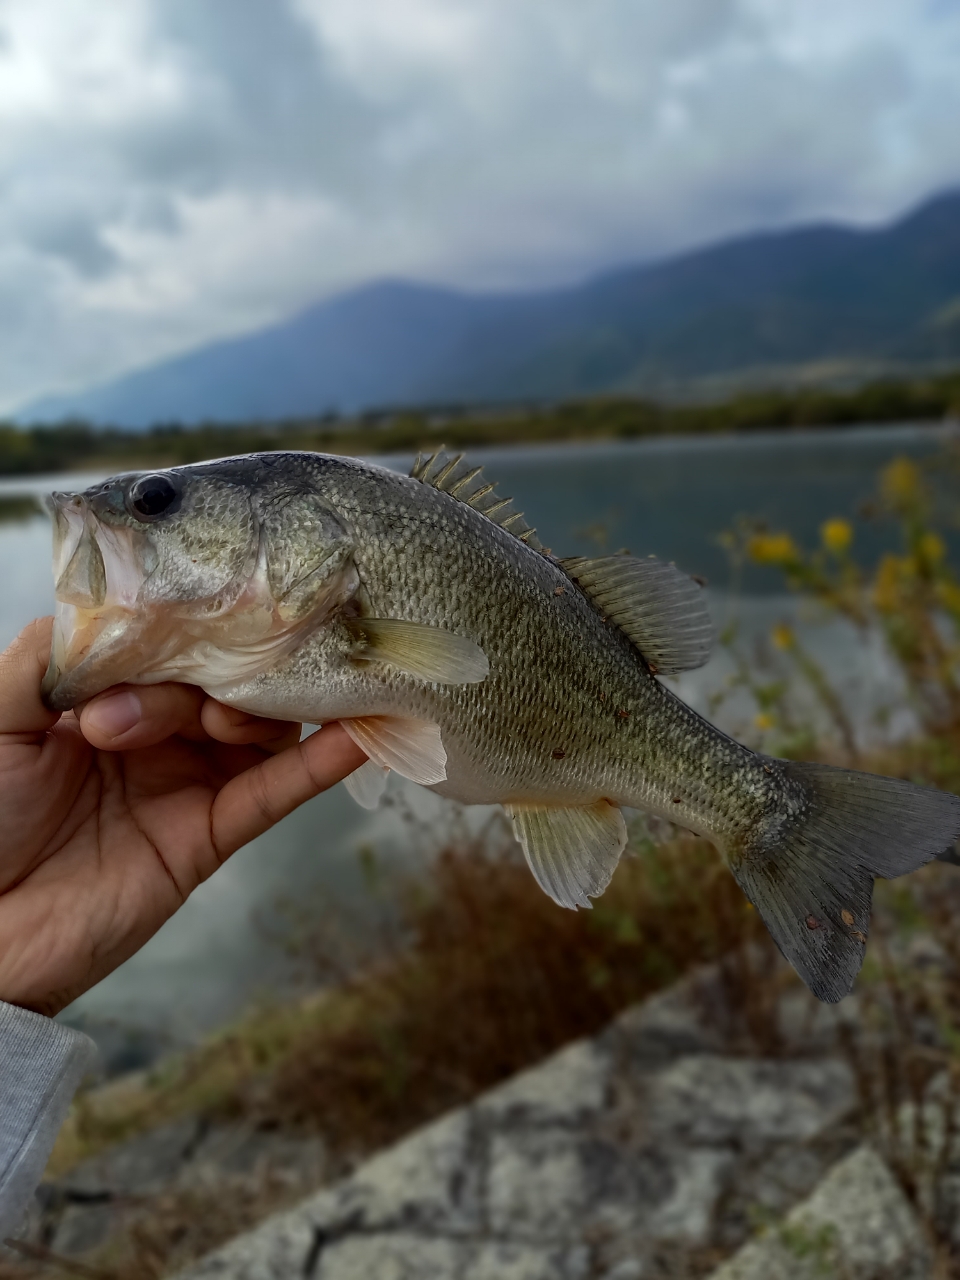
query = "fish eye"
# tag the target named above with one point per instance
(152, 496)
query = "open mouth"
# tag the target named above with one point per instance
(99, 574)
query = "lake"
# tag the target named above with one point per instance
(670, 497)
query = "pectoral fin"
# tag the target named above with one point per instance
(409, 747)
(367, 784)
(572, 852)
(428, 653)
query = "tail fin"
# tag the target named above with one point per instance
(810, 875)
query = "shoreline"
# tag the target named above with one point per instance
(599, 447)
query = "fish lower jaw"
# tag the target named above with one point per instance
(94, 648)
(88, 653)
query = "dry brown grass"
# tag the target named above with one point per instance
(484, 976)
(478, 975)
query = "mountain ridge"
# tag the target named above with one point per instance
(774, 304)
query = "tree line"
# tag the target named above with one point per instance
(70, 445)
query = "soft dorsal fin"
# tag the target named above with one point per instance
(455, 476)
(662, 610)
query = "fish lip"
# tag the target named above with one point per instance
(60, 499)
(63, 686)
(52, 687)
(66, 683)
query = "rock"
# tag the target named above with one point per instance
(625, 1269)
(709, 1099)
(242, 1150)
(687, 1215)
(428, 1182)
(495, 1260)
(400, 1256)
(856, 1225)
(391, 1257)
(604, 1159)
(88, 1203)
(99, 1196)
(662, 1028)
(281, 1248)
(568, 1087)
(83, 1227)
(140, 1167)
(537, 1186)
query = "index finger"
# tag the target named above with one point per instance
(253, 801)
(22, 667)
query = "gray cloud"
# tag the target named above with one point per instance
(175, 170)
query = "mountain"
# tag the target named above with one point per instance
(814, 302)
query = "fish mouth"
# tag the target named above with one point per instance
(99, 572)
(109, 629)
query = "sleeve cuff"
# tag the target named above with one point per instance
(41, 1064)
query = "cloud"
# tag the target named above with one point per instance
(176, 170)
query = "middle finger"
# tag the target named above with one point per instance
(231, 725)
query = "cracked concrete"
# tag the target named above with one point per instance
(611, 1155)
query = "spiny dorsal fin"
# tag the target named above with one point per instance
(662, 610)
(456, 477)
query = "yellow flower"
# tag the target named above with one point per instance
(837, 535)
(763, 721)
(931, 548)
(949, 595)
(888, 584)
(772, 548)
(900, 482)
(782, 636)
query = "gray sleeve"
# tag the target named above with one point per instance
(41, 1064)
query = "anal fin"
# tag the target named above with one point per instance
(408, 746)
(572, 851)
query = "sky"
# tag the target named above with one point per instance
(174, 171)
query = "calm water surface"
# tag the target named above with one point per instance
(668, 497)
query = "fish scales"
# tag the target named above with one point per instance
(428, 558)
(421, 613)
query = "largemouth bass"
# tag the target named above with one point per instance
(422, 613)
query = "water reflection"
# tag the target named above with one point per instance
(18, 507)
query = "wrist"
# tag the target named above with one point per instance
(37, 997)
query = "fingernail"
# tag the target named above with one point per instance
(114, 715)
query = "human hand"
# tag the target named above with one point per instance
(110, 818)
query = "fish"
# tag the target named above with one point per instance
(422, 612)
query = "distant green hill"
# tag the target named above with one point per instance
(822, 304)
